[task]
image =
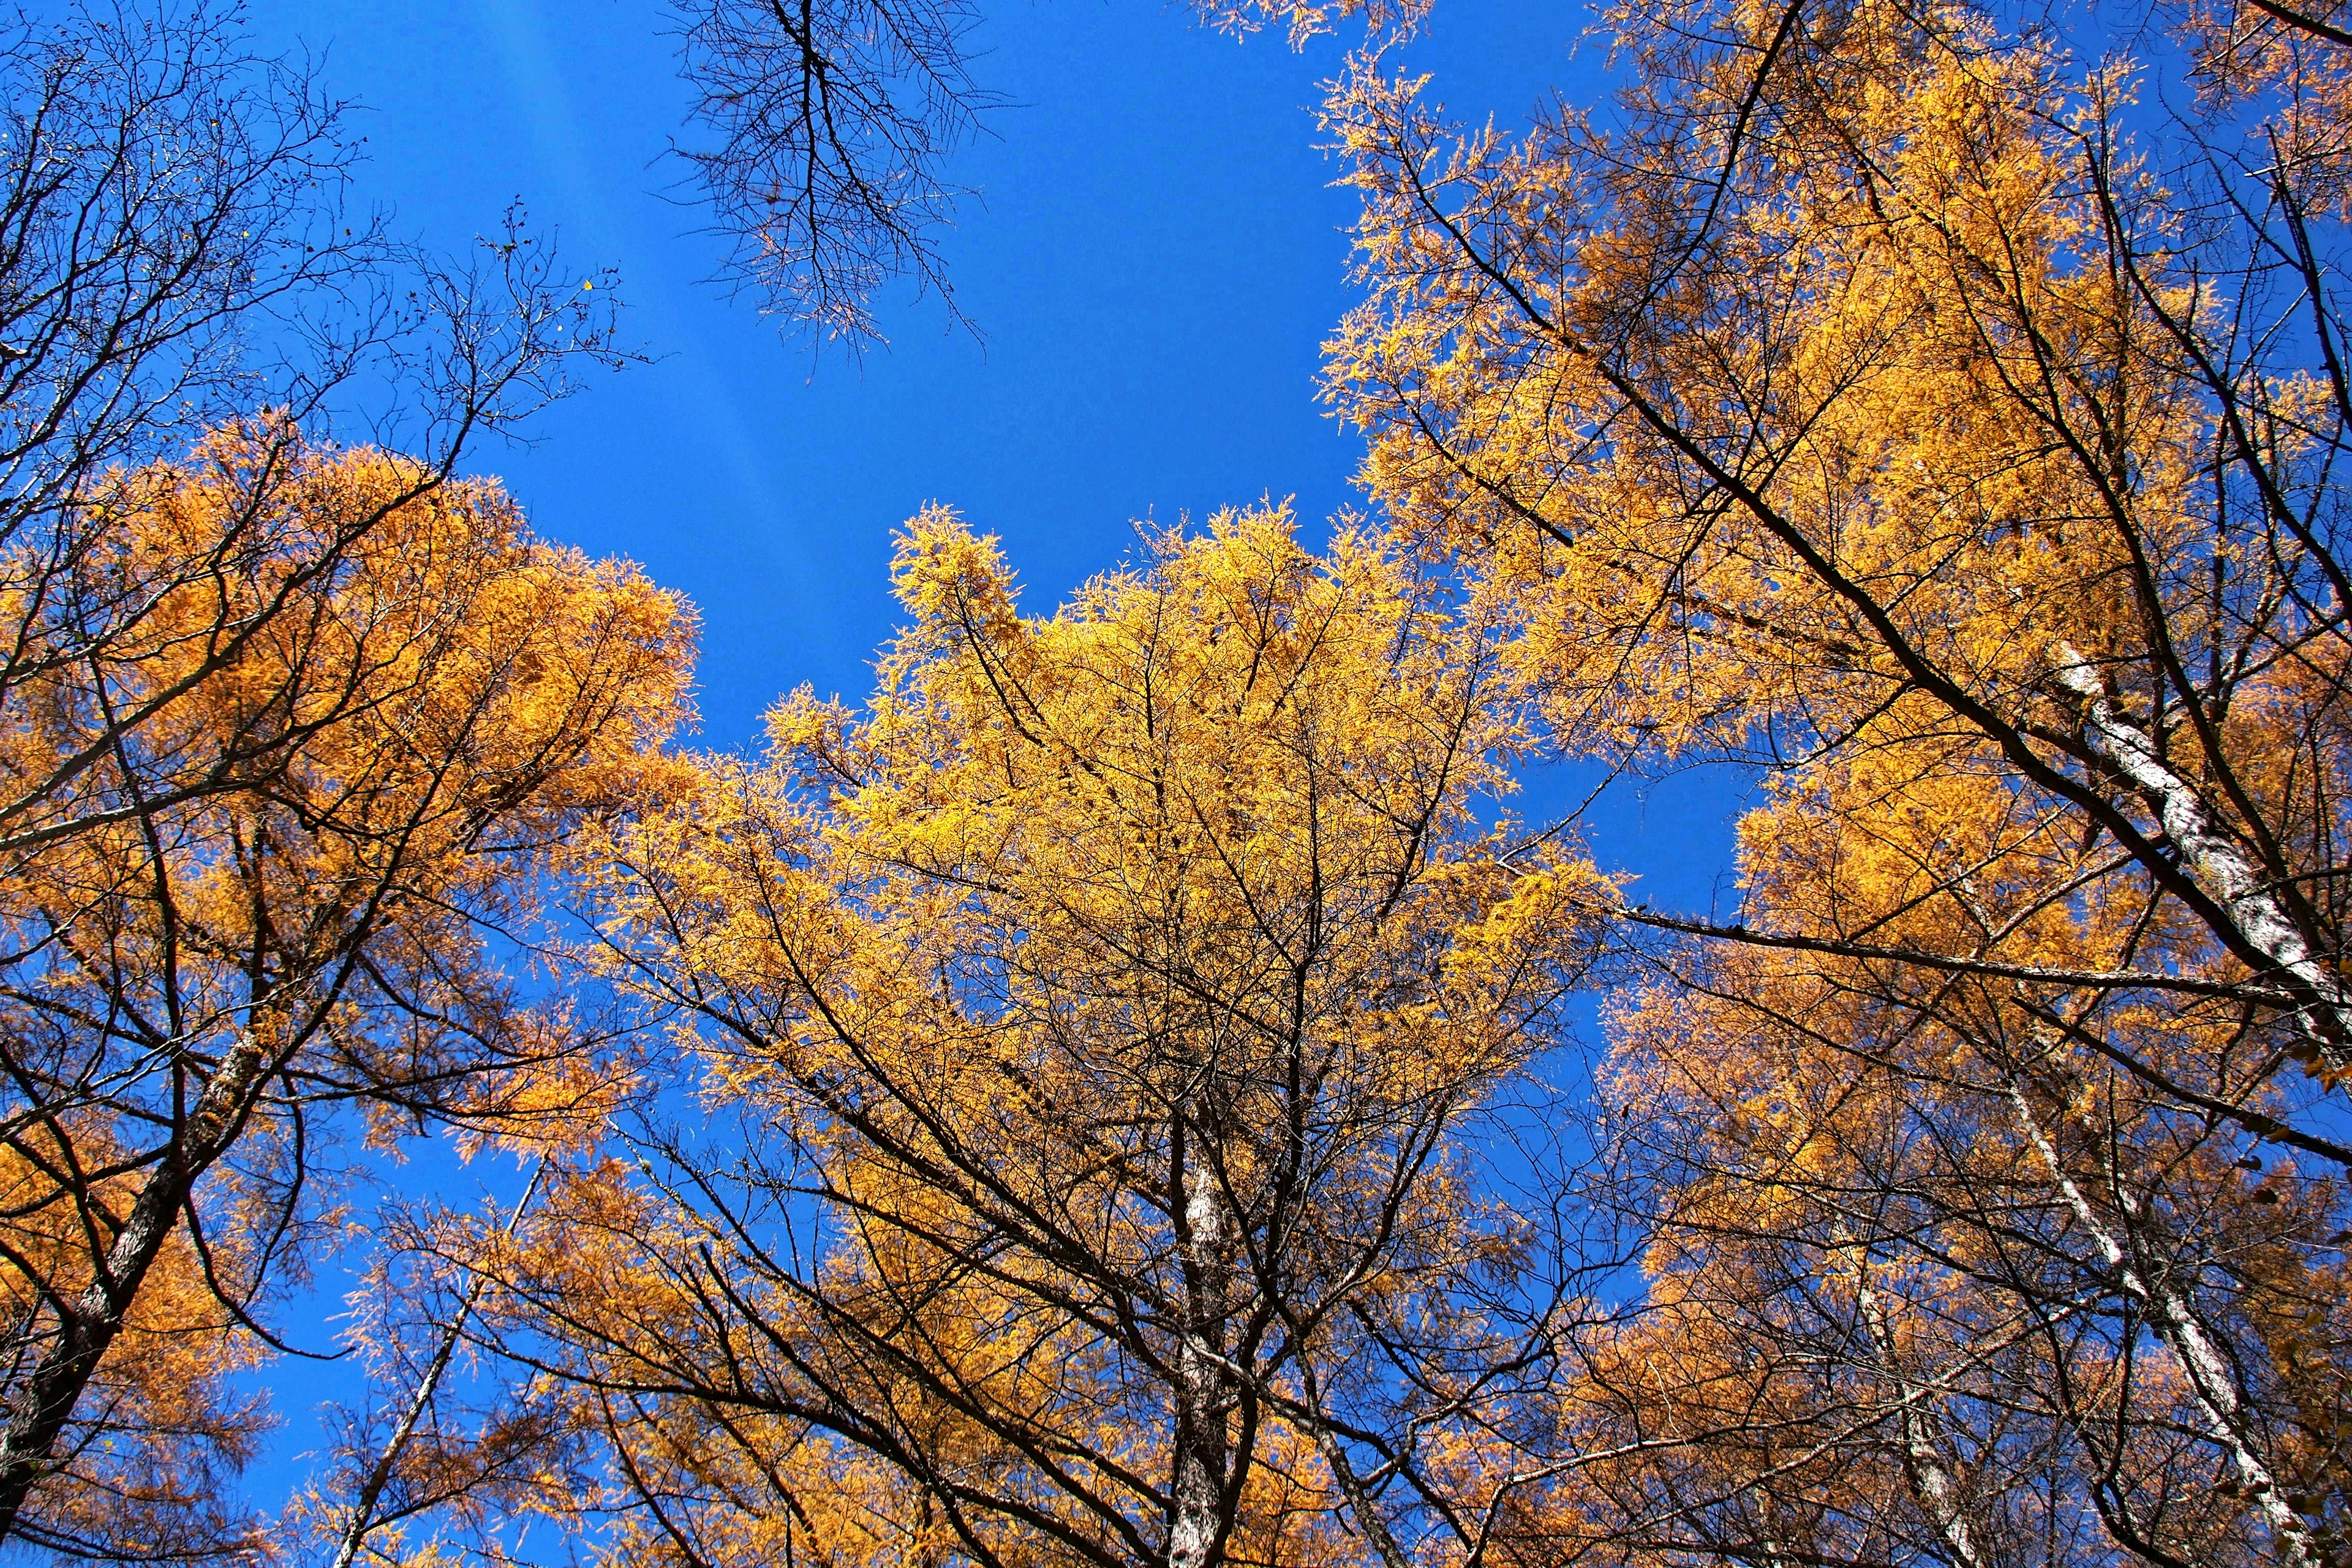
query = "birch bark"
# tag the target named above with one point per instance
(2178, 1329)
(2216, 856)
(1196, 1497)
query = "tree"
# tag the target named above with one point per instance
(830, 128)
(176, 254)
(1092, 1033)
(1890, 403)
(1930, 1286)
(207, 617)
(1988, 463)
(275, 910)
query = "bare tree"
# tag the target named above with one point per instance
(826, 128)
(829, 125)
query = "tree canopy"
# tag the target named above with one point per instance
(1135, 1090)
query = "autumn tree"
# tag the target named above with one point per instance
(178, 251)
(1092, 1035)
(178, 255)
(1927, 1285)
(220, 881)
(1942, 420)
(270, 927)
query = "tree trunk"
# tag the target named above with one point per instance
(40, 1409)
(2216, 856)
(1196, 1496)
(1932, 1486)
(2202, 1364)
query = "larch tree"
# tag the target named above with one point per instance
(1093, 1037)
(1945, 424)
(178, 251)
(281, 724)
(271, 930)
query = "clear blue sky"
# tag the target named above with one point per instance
(1154, 258)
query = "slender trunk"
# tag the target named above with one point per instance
(39, 1410)
(1196, 1497)
(1362, 1505)
(2201, 1361)
(2215, 855)
(1923, 1461)
(364, 1520)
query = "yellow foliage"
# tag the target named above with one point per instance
(1103, 1003)
(298, 732)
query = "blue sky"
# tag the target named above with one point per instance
(1153, 257)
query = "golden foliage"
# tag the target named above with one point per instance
(336, 714)
(1101, 1007)
(1890, 400)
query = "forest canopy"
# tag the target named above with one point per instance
(1144, 1087)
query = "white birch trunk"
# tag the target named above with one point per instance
(1922, 1462)
(1197, 1493)
(2215, 856)
(2202, 1364)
